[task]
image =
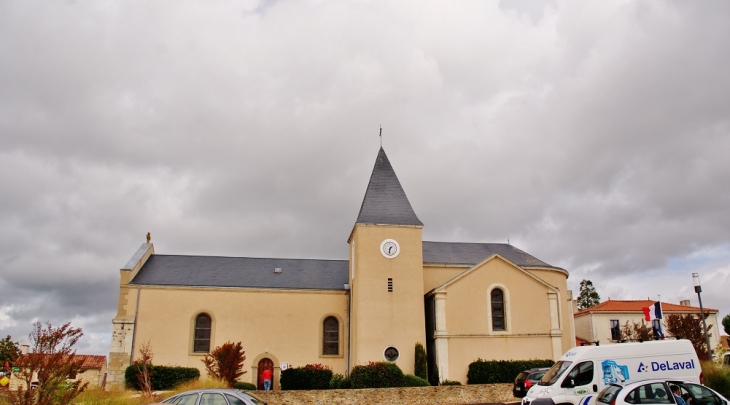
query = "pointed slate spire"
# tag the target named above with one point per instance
(385, 201)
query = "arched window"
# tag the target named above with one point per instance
(497, 297)
(331, 336)
(201, 343)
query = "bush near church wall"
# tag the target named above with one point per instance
(309, 377)
(501, 371)
(376, 375)
(410, 380)
(244, 386)
(163, 377)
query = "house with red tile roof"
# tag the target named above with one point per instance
(603, 322)
(93, 370)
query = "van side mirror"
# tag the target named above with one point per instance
(568, 383)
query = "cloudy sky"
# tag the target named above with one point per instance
(593, 135)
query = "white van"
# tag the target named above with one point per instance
(584, 370)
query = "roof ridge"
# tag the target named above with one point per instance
(472, 243)
(600, 307)
(249, 257)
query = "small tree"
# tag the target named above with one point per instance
(9, 352)
(690, 327)
(52, 361)
(637, 332)
(588, 296)
(225, 363)
(726, 325)
(421, 363)
(144, 366)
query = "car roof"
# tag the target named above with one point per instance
(653, 380)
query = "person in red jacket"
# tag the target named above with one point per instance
(266, 376)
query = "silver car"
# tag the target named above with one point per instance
(214, 396)
(657, 392)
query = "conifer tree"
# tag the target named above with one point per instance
(588, 296)
(421, 362)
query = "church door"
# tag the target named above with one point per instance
(265, 364)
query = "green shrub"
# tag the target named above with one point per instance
(163, 377)
(339, 382)
(410, 380)
(239, 385)
(501, 371)
(717, 378)
(450, 382)
(421, 362)
(376, 375)
(309, 377)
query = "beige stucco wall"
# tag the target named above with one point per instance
(597, 326)
(434, 276)
(530, 324)
(381, 318)
(559, 279)
(285, 326)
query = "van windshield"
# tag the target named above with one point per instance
(552, 375)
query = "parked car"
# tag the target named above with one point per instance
(657, 392)
(214, 396)
(527, 379)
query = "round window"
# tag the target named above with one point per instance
(391, 354)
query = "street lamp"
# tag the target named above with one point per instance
(698, 290)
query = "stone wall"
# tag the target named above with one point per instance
(445, 395)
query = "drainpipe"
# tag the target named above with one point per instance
(349, 308)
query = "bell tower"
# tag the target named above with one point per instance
(386, 274)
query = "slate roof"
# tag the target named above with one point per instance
(302, 274)
(637, 305)
(385, 201)
(474, 253)
(216, 271)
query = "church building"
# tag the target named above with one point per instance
(462, 301)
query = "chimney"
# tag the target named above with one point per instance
(24, 349)
(684, 303)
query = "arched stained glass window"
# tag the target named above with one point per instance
(331, 336)
(497, 298)
(201, 342)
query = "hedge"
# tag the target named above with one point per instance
(501, 371)
(244, 386)
(340, 382)
(376, 375)
(410, 380)
(309, 377)
(163, 377)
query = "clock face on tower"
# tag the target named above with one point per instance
(389, 248)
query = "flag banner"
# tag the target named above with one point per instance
(653, 311)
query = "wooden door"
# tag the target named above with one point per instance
(265, 364)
